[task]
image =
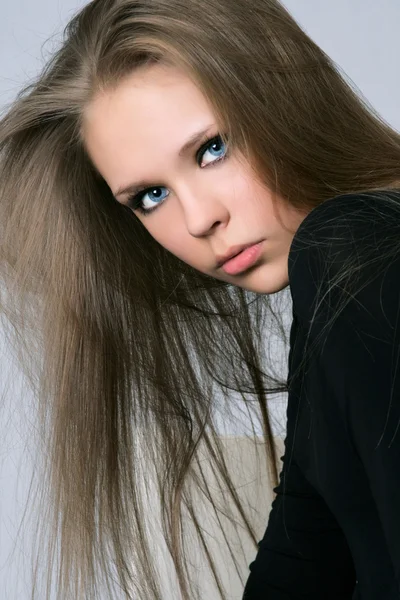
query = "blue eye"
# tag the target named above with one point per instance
(215, 146)
(154, 197)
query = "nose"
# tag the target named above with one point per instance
(203, 211)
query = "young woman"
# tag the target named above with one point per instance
(174, 166)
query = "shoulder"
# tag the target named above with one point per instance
(341, 243)
(350, 213)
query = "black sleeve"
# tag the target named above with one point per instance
(365, 345)
(303, 554)
(361, 231)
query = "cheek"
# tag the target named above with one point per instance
(173, 237)
(186, 249)
(246, 193)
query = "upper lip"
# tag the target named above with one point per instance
(233, 251)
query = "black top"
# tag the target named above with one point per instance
(334, 528)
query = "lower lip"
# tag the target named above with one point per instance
(243, 261)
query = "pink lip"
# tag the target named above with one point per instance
(244, 260)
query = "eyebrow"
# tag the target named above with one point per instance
(194, 139)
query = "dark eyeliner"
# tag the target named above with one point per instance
(204, 147)
(135, 201)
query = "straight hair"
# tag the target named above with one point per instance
(129, 352)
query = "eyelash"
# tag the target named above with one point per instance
(135, 201)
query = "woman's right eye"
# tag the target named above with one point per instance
(138, 201)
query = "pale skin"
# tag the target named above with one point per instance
(134, 133)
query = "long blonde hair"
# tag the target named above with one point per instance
(126, 347)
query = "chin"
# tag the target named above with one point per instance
(264, 289)
(264, 279)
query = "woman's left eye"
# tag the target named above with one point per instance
(144, 205)
(216, 141)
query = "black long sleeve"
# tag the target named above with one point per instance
(303, 553)
(334, 527)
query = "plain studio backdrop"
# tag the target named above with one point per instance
(360, 35)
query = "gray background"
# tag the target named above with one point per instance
(360, 35)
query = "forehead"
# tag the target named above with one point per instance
(153, 97)
(155, 108)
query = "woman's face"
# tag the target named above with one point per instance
(207, 202)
